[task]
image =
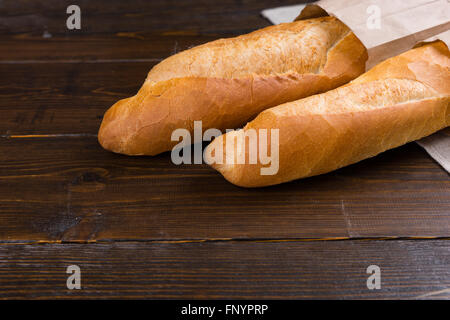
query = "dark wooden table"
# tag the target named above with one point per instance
(141, 227)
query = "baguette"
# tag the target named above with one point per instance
(400, 100)
(227, 82)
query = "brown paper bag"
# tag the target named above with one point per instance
(387, 28)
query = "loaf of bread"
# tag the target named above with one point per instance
(227, 82)
(400, 100)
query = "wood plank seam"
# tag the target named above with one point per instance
(49, 135)
(80, 61)
(227, 240)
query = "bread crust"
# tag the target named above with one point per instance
(400, 100)
(227, 82)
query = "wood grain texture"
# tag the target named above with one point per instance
(224, 270)
(64, 98)
(34, 30)
(69, 188)
(224, 16)
(119, 47)
(150, 229)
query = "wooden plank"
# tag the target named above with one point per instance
(69, 188)
(122, 46)
(36, 30)
(224, 16)
(239, 270)
(64, 98)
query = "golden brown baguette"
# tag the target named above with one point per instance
(227, 82)
(400, 100)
